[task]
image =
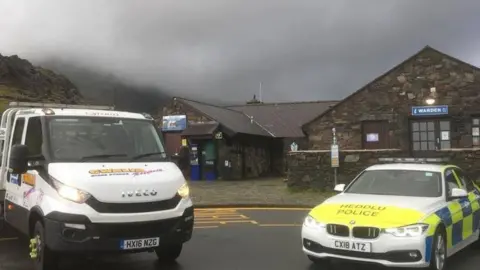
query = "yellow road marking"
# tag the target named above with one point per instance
(220, 218)
(224, 222)
(8, 239)
(205, 227)
(280, 225)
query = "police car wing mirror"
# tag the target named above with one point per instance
(18, 162)
(339, 187)
(457, 193)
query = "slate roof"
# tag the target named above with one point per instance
(200, 129)
(283, 120)
(236, 121)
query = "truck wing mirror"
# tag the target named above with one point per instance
(18, 162)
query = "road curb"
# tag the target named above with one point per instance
(258, 205)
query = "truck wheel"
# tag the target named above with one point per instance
(43, 258)
(168, 254)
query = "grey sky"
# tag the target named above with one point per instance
(299, 49)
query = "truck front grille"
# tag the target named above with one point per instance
(338, 230)
(117, 208)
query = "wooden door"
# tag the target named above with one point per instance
(375, 135)
(173, 142)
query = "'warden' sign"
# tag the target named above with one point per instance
(429, 110)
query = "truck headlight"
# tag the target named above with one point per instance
(408, 231)
(70, 193)
(312, 223)
(184, 191)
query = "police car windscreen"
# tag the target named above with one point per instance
(102, 138)
(398, 183)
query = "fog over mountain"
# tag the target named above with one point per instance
(222, 50)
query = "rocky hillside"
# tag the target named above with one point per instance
(21, 81)
(105, 89)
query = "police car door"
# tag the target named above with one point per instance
(454, 217)
(471, 207)
(14, 214)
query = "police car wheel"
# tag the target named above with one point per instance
(45, 259)
(168, 254)
(319, 261)
(439, 251)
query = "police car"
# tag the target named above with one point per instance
(405, 213)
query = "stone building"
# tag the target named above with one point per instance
(427, 106)
(237, 142)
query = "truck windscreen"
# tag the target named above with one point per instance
(93, 139)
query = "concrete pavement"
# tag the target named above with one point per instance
(233, 239)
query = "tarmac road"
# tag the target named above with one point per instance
(224, 239)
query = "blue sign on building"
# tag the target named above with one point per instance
(429, 110)
(174, 122)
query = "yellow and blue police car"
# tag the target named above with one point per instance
(405, 213)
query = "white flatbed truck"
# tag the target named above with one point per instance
(90, 180)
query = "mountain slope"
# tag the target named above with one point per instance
(105, 89)
(22, 81)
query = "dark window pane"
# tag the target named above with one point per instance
(431, 136)
(423, 136)
(445, 145)
(416, 136)
(431, 145)
(415, 126)
(444, 125)
(423, 126)
(431, 126)
(424, 146)
(416, 146)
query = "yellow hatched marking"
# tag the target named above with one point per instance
(221, 217)
(205, 227)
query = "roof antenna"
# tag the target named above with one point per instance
(260, 94)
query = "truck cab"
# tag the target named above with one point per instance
(90, 180)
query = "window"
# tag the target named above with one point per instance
(34, 138)
(445, 135)
(423, 135)
(101, 138)
(476, 131)
(430, 135)
(466, 182)
(450, 181)
(17, 134)
(398, 183)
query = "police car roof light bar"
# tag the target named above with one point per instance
(414, 160)
(57, 105)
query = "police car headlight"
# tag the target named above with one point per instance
(70, 193)
(184, 191)
(408, 231)
(312, 223)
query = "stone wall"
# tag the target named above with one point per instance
(391, 96)
(312, 169)
(249, 155)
